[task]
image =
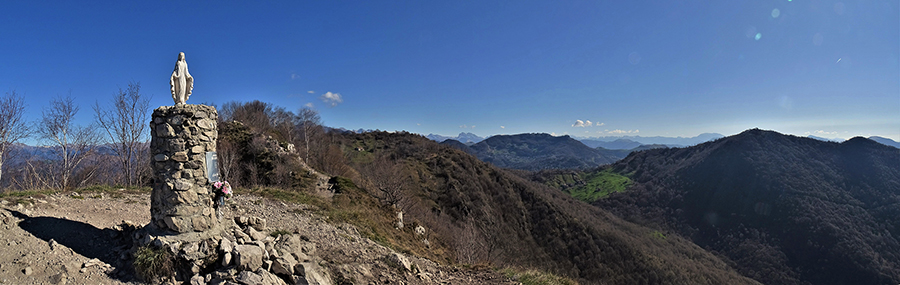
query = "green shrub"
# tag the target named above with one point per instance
(152, 263)
(342, 184)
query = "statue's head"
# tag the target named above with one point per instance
(181, 56)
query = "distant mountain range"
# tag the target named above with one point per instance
(19, 152)
(542, 151)
(783, 209)
(539, 151)
(824, 139)
(609, 142)
(628, 142)
(466, 138)
(881, 140)
(885, 141)
(616, 144)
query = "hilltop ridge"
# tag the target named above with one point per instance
(783, 209)
(540, 151)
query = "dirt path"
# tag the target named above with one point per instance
(70, 239)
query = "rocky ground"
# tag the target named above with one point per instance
(75, 239)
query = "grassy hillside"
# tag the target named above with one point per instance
(600, 184)
(587, 186)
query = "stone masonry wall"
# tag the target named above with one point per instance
(182, 197)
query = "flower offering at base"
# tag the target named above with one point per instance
(223, 189)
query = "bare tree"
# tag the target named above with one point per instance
(308, 121)
(73, 143)
(125, 123)
(12, 127)
(253, 114)
(470, 244)
(388, 180)
(228, 160)
(283, 123)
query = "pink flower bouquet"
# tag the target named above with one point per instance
(223, 189)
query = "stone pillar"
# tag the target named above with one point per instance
(182, 198)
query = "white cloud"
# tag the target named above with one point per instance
(311, 92)
(586, 123)
(463, 126)
(502, 127)
(822, 133)
(622, 132)
(332, 99)
(294, 76)
(309, 105)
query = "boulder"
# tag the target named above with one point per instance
(284, 265)
(399, 261)
(225, 245)
(249, 278)
(313, 273)
(226, 259)
(258, 223)
(248, 257)
(420, 230)
(255, 235)
(269, 278)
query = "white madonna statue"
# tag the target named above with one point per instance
(181, 81)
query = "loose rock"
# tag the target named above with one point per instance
(248, 257)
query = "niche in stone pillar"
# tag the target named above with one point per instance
(181, 137)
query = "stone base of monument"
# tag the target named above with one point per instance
(243, 253)
(181, 137)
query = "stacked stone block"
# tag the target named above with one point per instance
(182, 198)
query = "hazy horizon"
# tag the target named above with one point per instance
(827, 68)
(648, 136)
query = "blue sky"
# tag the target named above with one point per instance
(667, 68)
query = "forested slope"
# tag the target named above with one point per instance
(490, 215)
(783, 209)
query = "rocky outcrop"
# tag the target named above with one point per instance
(181, 136)
(243, 255)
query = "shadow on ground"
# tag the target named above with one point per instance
(83, 238)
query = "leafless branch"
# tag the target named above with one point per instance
(12, 126)
(125, 123)
(73, 143)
